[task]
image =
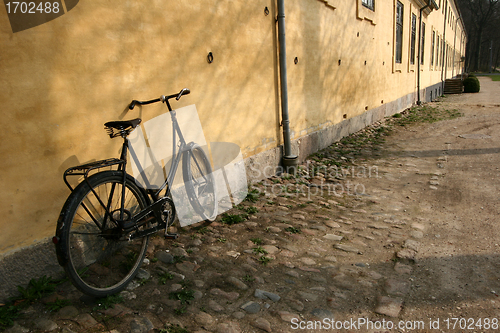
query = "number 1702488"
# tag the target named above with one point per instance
(472, 324)
(32, 8)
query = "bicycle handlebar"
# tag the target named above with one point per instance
(162, 98)
(184, 91)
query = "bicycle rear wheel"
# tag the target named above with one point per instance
(98, 257)
(200, 183)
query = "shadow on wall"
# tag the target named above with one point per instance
(66, 78)
(27, 15)
(335, 76)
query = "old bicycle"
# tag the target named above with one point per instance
(105, 224)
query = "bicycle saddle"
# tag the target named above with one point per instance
(121, 125)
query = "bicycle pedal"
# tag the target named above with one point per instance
(171, 236)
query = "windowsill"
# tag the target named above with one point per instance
(365, 13)
(397, 67)
(333, 4)
(427, 10)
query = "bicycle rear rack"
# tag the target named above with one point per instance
(85, 169)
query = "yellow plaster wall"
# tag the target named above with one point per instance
(60, 81)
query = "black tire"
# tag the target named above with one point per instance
(100, 264)
(200, 183)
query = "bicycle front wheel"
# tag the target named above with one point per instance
(100, 260)
(200, 183)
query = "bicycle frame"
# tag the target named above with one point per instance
(176, 156)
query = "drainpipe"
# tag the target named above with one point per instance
(462, 59)
(420, 52)
(454, 45)
(289, 160)
(491, 57)
(443, 68)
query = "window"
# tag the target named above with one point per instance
(448, 49)
(369, 4)
(413, 38)
(449, 56)
(399, 32)
(365, 10)
(433, 45)
(443, 51)
(437, 50)
(422, 44)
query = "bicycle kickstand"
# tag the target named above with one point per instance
(168, 235)
(171, 236)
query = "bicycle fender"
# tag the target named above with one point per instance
(62, 259)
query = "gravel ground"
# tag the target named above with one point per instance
(393, 229)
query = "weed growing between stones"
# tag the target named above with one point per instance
(248, 278)
(252, 195)
(35, 290)
(57, 305)
(424, 114)
(256, 241)
(185, 295)
(293, 230)
(264, 260)
(231, 219)
(251, 210)
(202, 230)
(8, 313)
(180, 310)
(164, 277)
(171, 328)
(248, 210)
(259, 249)
(143, 282)
(328, 162)
(179, 259)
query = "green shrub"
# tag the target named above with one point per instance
(471, 85)
(471, 75)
